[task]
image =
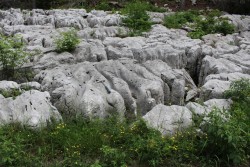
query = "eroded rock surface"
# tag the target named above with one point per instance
(168, 119)
(31, 108)
(110, 72)
(131, 85)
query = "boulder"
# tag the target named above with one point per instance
(208, 106)
(168, 119)
(214, 89)
(8, 86)
(211, 65)
(221, 104)
(197, 108)
(81, 89)
(32, 108)
(242, 23)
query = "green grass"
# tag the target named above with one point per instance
(115, 143)
(11, 93)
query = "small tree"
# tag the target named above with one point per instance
(12, 54)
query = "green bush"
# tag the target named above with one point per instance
(202, 23)
(228, 137)
(136, 17)
(67, 41)
(197, 33)
(12, 54)
(113, 157)
(239, 91)
(179, 19)
(103, 5)
(153, 8)
(211, 25)
(228, 133)
(224, 27)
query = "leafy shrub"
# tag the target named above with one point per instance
(227, 137)
(224, 27)
(179, 19)
(202, 23)
(103, 5)
(228, 131)
(154, 8)
(12, 54)
(67, 41)
(136, 17)
(113, 157)
(211, 25)
(239, 91)
(197, 33)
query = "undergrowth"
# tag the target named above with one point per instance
(12, 55)
(222, 140)
(10, 93)
(200, 22)
(67, 41)
(136, 17)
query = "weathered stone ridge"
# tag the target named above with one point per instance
(109, 73)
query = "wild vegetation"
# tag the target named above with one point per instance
(220, 139)
(12, 54)
(136, 18)
(201, 22)
(67, 41)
